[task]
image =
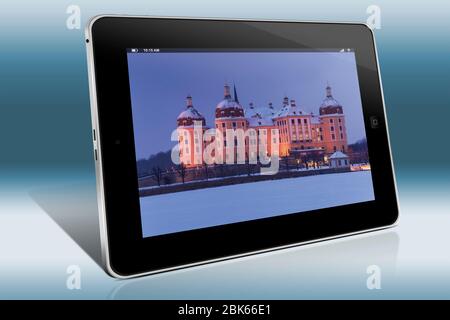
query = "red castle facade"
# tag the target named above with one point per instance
(288, 130)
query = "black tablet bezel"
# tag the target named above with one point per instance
(128, 252)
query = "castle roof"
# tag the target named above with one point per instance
(290, 110)
(190, 114)
(338, 155)
(258, 120)
(229, 107)
(329, 101)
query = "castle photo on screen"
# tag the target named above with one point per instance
(230, 137)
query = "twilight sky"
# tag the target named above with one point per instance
(160, 82)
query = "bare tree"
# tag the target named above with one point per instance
(205, 167)
(219, 170)
(248, 166)
(181, 169)
(286, 162)
(157, 175)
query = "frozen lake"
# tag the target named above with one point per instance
(195, 209)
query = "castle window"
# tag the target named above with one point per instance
(334, 148)
(293, 121)
(342, 136)
(299, 121)
(320, 129)
(333, 137)
(234, 124)
(223, 124)
(340, 120)
(340, 128)
(305, 121)
(331, 120)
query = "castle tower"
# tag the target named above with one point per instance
(333, 131)
(190, 126)
(230, 116)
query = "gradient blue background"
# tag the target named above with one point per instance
(45, 119)
(45, 133)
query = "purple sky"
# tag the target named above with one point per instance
(160, 83)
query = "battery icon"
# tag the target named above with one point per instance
(134, 50)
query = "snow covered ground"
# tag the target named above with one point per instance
(195, 209)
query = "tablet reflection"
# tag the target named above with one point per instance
(74, 209)
(323, 270)
(336, 268)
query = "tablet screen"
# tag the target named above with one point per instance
(226, 136)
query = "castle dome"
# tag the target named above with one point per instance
(329, 104)
(229, 107)
(190, 114)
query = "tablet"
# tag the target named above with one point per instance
(215, 139)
